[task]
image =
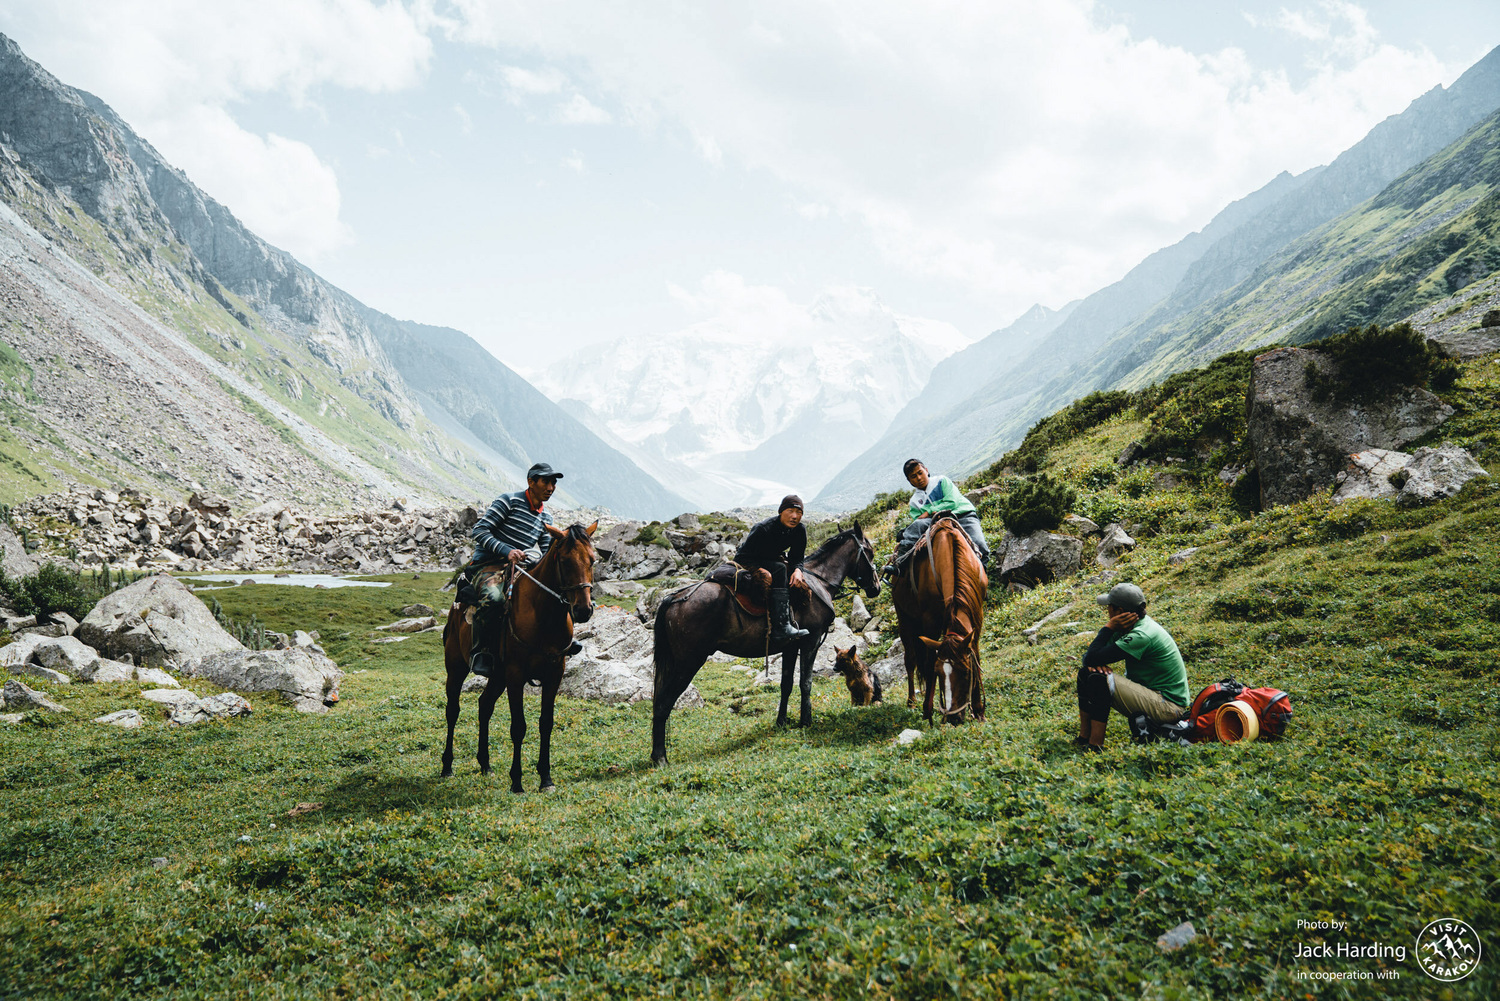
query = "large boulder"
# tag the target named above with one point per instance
(1039, 558)
(17, 696)
(13, 556)
(307, 679)
(1463, 345)
(1115, 543)
(1301, 444)
(1369, 475)
(157, 621)
(224, 706)
(616, 663)
(1424, 476)
(1436, 473)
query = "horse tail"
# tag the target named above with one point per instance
(661, 649)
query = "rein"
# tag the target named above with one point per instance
(566, 587)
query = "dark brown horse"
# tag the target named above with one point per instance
(529, 646)
(940, 610)
(694, 622)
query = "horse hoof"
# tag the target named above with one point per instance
(447, 773)
(659, 762)
(548, 789)
(517, 790)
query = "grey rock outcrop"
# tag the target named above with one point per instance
(128, 719)
(1116, 542)
(1462, 345)
(305, 677)
(1424, 476)
(18, 696)
(1437, 473)
(169, 697)
(1301, 445)
(1369, 475)
(1039, 558)
(13, 556)
(225, 706)
(157, 621)
(616, 662)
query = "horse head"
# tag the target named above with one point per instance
(953, 665)
(864, 572)
(575, 557)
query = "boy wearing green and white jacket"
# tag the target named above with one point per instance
(936, 494)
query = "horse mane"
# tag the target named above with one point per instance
(834, 541)
(578, 533)
(966, 589)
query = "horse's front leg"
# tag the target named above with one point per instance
(929, 682)
(809, 654)
(517, 692)
(487, 700)
(978, 689)
(788, 672)
(455, 690)
(544, 732)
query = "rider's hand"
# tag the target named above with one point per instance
(1123, 622)
(796, 579)
(515, 556)
(1101, 669)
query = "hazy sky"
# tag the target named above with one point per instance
(553, 174)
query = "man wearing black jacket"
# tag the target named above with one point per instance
(776, 547)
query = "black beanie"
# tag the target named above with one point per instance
(790, 500)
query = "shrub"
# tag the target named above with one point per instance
(55, 588)
(1037, 504)
(1371, 362)
(1200, 410)
(1063, 426)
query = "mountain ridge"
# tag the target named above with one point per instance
(188, 261)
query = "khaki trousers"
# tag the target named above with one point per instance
(1132, 699)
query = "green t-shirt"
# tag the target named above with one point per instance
(1152, 659)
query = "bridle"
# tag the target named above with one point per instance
(969, 662)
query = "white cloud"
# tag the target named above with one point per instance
(172, 69)
(581, 111)
(521, 83)
(465, 120)
(573, 161)
(1022, 150)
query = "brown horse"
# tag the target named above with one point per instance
(694, 622)
(530, 646)
(940, 611)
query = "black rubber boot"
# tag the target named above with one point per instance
(482, 663)
(782, 630)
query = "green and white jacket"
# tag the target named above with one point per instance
(940, 495)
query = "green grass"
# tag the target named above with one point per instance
(983, 861)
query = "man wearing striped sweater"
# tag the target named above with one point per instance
(513, 532)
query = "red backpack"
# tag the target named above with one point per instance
(1206, 707)
(1272, 707)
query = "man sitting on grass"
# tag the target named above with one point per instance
(1155, 683)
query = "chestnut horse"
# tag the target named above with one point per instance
(529, 646)
(697, 620)
(940, 611)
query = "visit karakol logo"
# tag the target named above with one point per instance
(1448, 949)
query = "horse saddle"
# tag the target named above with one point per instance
(749, 592)
(743, 585)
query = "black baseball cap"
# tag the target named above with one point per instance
(542, 471)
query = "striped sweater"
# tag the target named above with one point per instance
(510, 523)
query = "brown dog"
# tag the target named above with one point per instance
(864, 687)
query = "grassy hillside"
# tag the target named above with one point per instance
(982, 861)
